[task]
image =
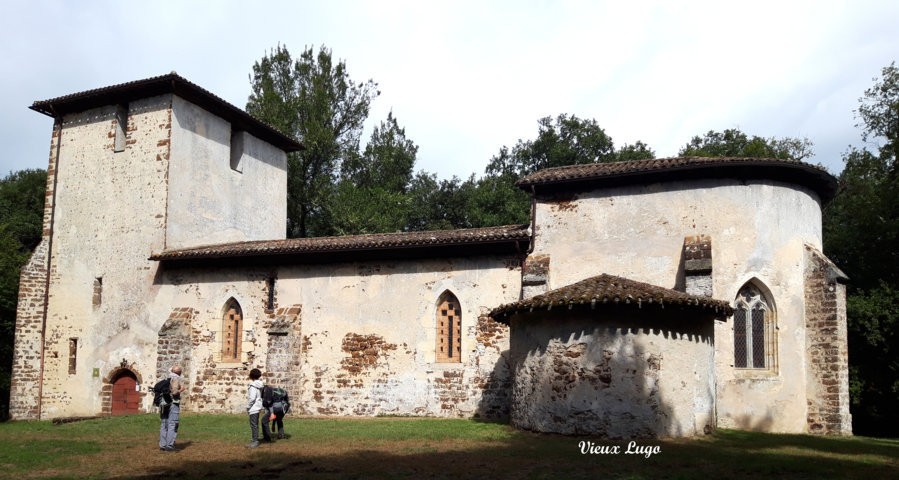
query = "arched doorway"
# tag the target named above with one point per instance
(125, 397)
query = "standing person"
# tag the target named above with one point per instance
(254, 408)
(280, 406)
(171, 414)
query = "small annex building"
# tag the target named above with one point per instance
(662, 297)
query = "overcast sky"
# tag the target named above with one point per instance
(465, 78)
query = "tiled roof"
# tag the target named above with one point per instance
(605, 290)
(666, 169)
(354, 243)
(170, 83)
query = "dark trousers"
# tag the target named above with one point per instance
(254, 425)
(278, 423)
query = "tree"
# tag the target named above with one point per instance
(879, 110)
(313, 100)
(388, 159)
(861, 234)
(371, 195)
(437, 205)
(568, 141)
(734, 143)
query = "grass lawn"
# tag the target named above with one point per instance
(212, 446)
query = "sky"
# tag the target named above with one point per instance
(465, 78)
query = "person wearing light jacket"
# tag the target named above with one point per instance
(254, 408)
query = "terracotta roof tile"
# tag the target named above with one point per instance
(169, 83)
(368, 242)
(604, 290)
(642, 171)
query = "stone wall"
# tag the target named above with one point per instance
(102, 234)
(25, 388)
(349, 339)
(613, 374)
(758, 230)
(24, 402)
(827, 354)
(284, 352)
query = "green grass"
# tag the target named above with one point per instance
(212, 446)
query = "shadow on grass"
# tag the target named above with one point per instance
(727, 454)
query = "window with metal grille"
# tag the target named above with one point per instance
(232, 326)
(753, 330)
(449, 329)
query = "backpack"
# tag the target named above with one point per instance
(162, 393)
(267, 397)
(280, 404)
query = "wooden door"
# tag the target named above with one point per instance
(125, 397)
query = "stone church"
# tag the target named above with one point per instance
(650, 298)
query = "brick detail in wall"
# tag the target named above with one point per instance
(366, 382)
(175, 346)
(26, 366)
(698, 265)
(284, 358)
(827, 351)
(534, 276)
(24, 403)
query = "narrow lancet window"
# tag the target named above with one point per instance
(449, 329)
(232, 326)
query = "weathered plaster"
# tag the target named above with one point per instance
(613, 374)
(368, 347)
(757, 230)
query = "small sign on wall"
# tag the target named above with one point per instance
(96, 373)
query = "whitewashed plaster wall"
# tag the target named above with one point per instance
(210, 202)
(369, 332)
(613, 374)
(109, 217)
(758, 231)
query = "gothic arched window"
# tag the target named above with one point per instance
(232, 326)
(449, 328)
(754, 330)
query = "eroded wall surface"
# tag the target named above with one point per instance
(349, 338)
(758, 231)
(612, 375)
(109, 217)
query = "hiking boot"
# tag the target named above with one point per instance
(253, 444)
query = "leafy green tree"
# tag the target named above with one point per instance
(879, 110)
(313, 100)
(388, 159)
(567, 141)
(438, 205)
(734, 143)
(495, 200)
(861, 234)
(371, 196)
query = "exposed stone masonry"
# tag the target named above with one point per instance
(698, 265)
(827, 352)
